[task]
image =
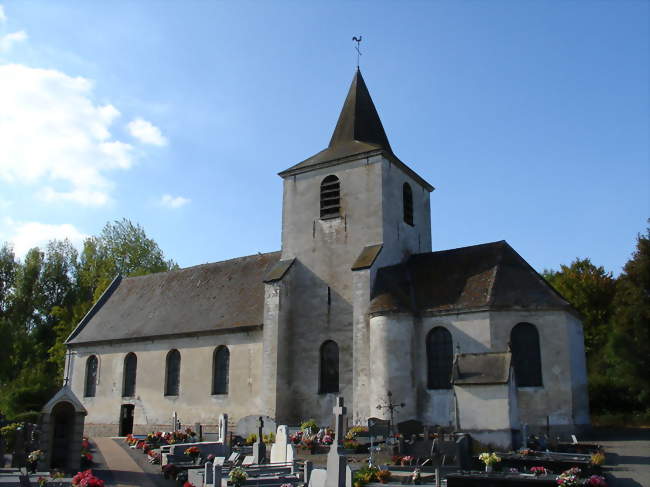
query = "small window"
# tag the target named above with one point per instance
(526, 357)
(440, 357)
(330, 197)
(407, 196)
(220, 367)
(91, 376)
(173, 373)
(329, 367)
(130, 370)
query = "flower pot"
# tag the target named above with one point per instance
(488, 468)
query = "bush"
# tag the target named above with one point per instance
(9, 434)
(28, 417)
(310, 425)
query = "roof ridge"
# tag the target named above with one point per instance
(203, 265)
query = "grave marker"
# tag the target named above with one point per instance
(337, 464)
(223, 428)
(259, 448)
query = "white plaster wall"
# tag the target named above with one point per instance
(470, 332)
(483, 407)
(391, 345)
(195, 403)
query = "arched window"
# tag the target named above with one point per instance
(330, 197)
(407, 197)
(329, 367)
(220, 368)
(130, 370)
(91, 376)
(173, 373)
(526, 357)
(440, 357)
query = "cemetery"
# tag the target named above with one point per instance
(382, 451)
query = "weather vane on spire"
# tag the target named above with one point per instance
(358, 41)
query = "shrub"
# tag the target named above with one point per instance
(27, 417)
(310, 425)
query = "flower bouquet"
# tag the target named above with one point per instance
(596, 481)
(193, 452)
(32, 460)
(538, 471)
(489, 459)
(383, 476)
(570, 478)
(237, 476)
(87, 479)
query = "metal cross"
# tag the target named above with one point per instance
(358, 41)
(391, 406)
(260, 429)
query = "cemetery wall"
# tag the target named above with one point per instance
(153, 410)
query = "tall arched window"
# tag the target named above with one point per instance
(330, 197)
(130, 370)
(220, 368)
(407, 197)
(329, 367)
(91, 376)
(526, 357)
(173, 373)
(440, 357)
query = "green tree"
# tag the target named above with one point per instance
(629, 344)
(591, 291)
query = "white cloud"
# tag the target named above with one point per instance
(3, 17)
(26, 235)
(146, 132)
(173, 201)
(7, 41)
(53, 134)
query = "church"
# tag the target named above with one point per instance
(355, 303)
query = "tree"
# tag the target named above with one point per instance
(591, 291)
(629, 344)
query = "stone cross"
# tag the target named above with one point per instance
(339, 418)
(259, 448)
(175, 421)
(223, 428)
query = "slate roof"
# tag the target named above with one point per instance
(481, 368)
(487, 276)
(195, 299)
(358, 131)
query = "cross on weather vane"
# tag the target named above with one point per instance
(358, 41)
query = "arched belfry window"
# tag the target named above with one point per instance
(130, 371)
(329, 367)
(330, 197)
(440, 357)
(407, 197)
(526, 356)
(91, 376)
(220, 367)
(172, 373)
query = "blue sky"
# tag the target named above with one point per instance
(531, 119)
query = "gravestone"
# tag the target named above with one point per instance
(317, 477)
(208, 473)
(524, 434)
(409, 428)
(216, 475)
(259, 448)
(198, 429)
(337, 463)
(378, 427)
(223, 428)
(175, 421)
(282, 451)
(19, 456)
(248, 425)
(308, 467)
(464, 452)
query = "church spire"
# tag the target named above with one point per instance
(359, 120)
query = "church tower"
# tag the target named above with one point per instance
(350, 207)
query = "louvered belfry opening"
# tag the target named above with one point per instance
(330, 197)
(407, 196)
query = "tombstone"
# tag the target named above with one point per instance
(317, 478)
(19, 456)
(378, 427)
(259, 448)
(409, 428)
(306, 471)
(208, 473)
(198, 429)
(337, 464)
(62, 421)
(175, 421)
(216, 475)
(524, 434)
(223, 428)
(464, 452)
(248, 425)
(282, 451)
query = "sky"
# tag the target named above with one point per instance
(530, 118)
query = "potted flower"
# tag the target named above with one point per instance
(596, 481)
(538, 471)
(489, 459)
(597, 459)
(406, 460)
(32, 460)
(87, 479)
(193, 452)
(570, 478)
(237, 476)
(383, 476)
